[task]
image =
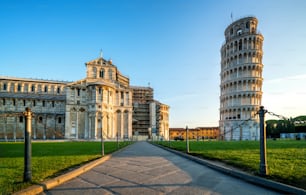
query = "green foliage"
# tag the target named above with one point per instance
(300, 118)
(275, 127)
(49, 159)
(286, 159)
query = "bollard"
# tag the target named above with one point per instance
(263, 167)
(27, 176)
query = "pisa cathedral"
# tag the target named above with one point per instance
(241, 80)
(103, 103)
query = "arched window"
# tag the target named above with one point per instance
(235, 46)
(19, 88)
(33, 88)
(247, 25)
(5, 86)
(240, 45)
(102, 73)
(46, 89)
(58, 90)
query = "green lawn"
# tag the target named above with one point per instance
(286, 159)
(49, 159)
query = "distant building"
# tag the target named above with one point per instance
(102, 102)
(198, 133)
(297, 136)
(208, 132)
(150, 116)
(177, 133)
(241, 80)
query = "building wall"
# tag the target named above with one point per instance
(142, 94)
(150, 117)
(241, 80)
(163, 118)
(208, 132)
(142, 111)
(45, 98)
(141, 119)
(102, 102)
(153, 115)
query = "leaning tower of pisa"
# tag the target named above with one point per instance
(241, 80)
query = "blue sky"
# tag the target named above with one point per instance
(171, 45)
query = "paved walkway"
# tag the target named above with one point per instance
(146, 169)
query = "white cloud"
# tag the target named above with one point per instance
(288, 78)
(286, 96)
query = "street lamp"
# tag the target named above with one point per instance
(263, 169)
(27, 176)
(102, 142)
(187, 140)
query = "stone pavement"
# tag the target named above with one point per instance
(143, 168)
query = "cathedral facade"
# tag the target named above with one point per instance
(99, 105)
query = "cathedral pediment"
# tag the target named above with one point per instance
(100, 61)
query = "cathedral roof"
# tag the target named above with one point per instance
(32, 80)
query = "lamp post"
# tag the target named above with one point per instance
(187, 140)
(263, 169)
(27, 174)
(102, 140)
(117, 141)
(169, 137)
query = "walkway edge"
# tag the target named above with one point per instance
(46, 185)
(51, 183)
(241, 175)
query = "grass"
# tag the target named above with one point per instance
(49, 159)
(286, 159)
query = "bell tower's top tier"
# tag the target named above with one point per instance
(240, 27)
